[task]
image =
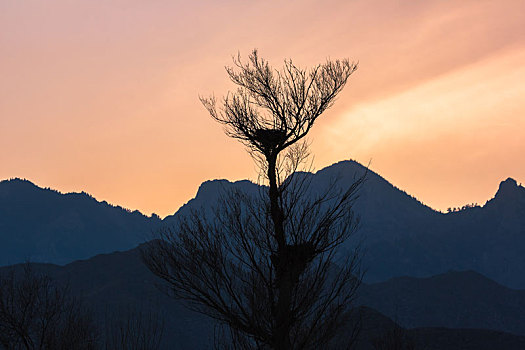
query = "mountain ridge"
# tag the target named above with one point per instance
(45, 225)
(402, 235)
(112, 281)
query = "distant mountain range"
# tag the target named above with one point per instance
(43, 225)
(400, 235)
(403, 237)
(376, 326)
(427, 308)
(456, 299)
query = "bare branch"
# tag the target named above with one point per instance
(264, 265)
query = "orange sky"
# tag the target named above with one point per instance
(102, 96)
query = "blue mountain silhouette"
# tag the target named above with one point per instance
(400, 235)
(43, 225)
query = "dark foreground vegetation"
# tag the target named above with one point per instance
(37, 312)
(118, 287)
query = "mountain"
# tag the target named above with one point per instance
(403, 237)
(115, 283)
(456, 299)
(379, 332)
(110, 283)
(209, 195)
(43, 225)
(399, 235)
(489, 239)
(429, 309)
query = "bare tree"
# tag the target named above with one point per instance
(263, 265)
(36, 313)
(134, 329)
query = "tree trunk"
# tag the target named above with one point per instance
(283, 280)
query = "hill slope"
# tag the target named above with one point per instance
(400, 235)
(43, 225)
(112, 282)
(403, 237)
(454, 299)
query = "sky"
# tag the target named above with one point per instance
(103, 96)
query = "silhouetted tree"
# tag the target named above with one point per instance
(263, 265)
(134, 329)
(36, 313)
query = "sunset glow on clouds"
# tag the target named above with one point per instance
(102, 96)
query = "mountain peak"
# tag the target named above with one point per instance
(349, 164)
(507, 189)
(220, 185)
(510, 183)
(17, 186)
(16, 181)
